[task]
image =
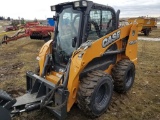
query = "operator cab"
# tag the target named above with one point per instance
(77, 22)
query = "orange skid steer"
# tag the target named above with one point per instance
(82, 65)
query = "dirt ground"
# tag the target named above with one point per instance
(142, 102)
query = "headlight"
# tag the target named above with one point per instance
(77, 4)
(53, 8)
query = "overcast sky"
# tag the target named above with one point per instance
(40, 9)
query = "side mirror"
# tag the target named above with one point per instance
(74, 41)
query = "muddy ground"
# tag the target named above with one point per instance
(142, 102)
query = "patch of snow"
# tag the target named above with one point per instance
(148, 39)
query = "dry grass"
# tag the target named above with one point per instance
(2, 22)
(15, 59)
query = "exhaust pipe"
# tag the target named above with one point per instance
(117, 18)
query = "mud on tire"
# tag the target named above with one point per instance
(123, 74)
(95, 93)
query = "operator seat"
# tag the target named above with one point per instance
(93, 33)
(109, 24)
(109, 27)
(95, 24)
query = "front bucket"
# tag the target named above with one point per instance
(38, 95)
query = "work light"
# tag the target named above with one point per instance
(77, 4)
(53, 8)
(80, 3)
(84, 3)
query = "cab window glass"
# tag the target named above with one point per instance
(94, 24)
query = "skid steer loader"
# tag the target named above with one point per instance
(87, 59)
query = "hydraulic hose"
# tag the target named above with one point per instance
(50, 95)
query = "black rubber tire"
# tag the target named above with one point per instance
(6, 99)
(47, 38)
(4, 93)
(146, 32)
(5, 114)
(95, 93)
(123, 74)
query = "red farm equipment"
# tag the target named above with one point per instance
(35, 32)
(10, 28)
(29, 24)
